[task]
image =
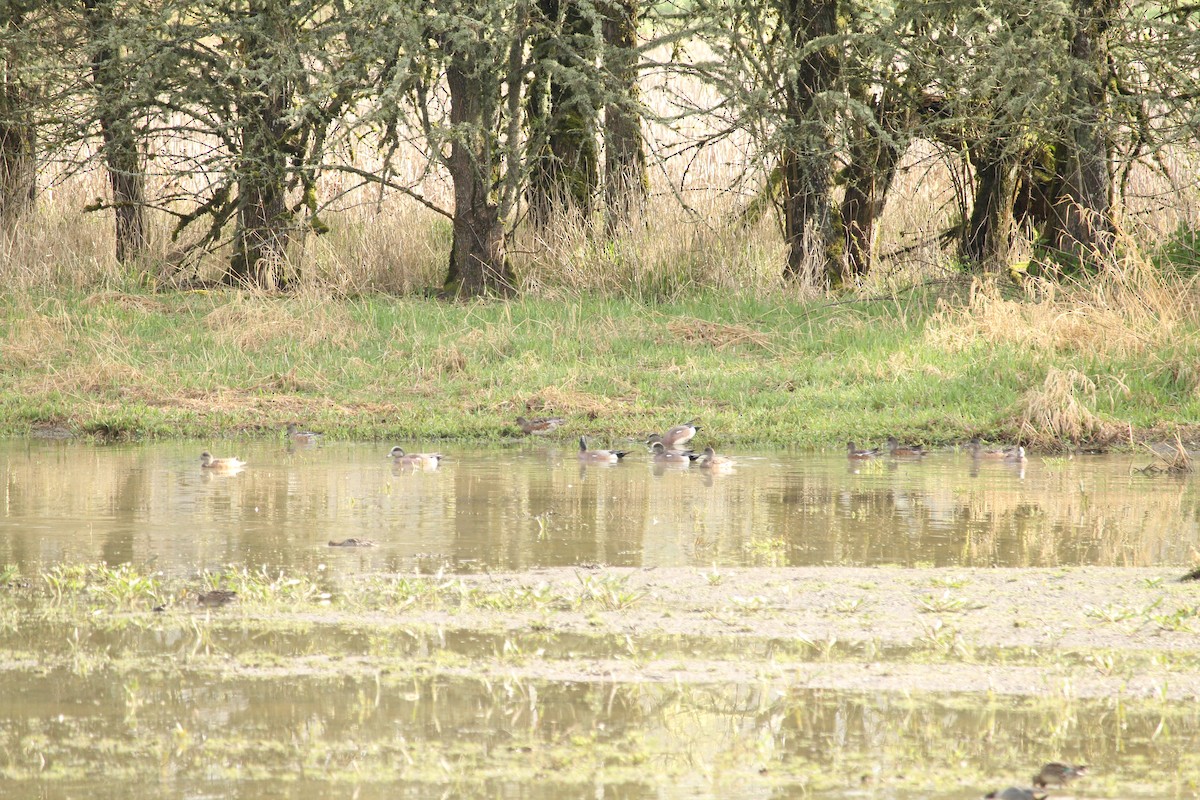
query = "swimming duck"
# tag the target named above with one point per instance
(1005, 453)
(1016, 793)
(540, 426)
(208, 462)
(216, 597)
(1058, 774)
(599, 456)
(662, 455)
(710, 460)
(896, 450)
(301, 437)
(852, 451)
(414, 460)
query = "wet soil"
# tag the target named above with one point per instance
(1083, 632)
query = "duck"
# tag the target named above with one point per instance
(677, 436)
(414, 460)
(216, 597)
(1005, 453)
(231, 463)
(662, 455)
(1015, 793)
(1058, 774)
(852, 451)
(897, 450)
(301, 437)
(599, 456)
(710, 460)
(540, 426)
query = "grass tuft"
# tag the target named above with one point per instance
(1059, 411)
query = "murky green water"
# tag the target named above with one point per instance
(530, 506)
(212, 703)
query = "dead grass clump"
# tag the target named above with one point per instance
(32, 340)
(1058, 412)
(677, 252)
(566, 400)
(717, 335)
(1125, 312)
(488, 344)
(250, 321)
(124, 301)
(447, 360)
(99, 377)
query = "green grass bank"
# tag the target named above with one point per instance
(936, 365)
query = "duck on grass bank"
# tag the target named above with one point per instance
(540, 426)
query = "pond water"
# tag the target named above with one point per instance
(97, 695)
(534, 505)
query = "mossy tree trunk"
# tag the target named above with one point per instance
(988, 237)
(626, 183)
(18, 134)
(478, 261)
(1081, 226)
(563, 113)
(122, 155)
(806, 160)
(263, 100)
(873, 156)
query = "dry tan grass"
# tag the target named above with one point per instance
(1125, 312)
(567, 400)
(33, 340)
(1059, 411)
(251, 321)
(714, 334)
(124, 300)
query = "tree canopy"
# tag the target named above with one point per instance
(230, 117)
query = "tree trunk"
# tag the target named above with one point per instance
(121, 153)
(1081, 226)
(806, 161)
(18, 137)
(478, 262)
(263, 219)
(873, 161)
(626, 183)
(988, 238)
(564, 163)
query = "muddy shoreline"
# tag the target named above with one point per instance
(1079, 632)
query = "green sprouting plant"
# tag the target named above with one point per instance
(752, 603)
(946, 603)
(1111, 613)
(607, 591)
(850, 605)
